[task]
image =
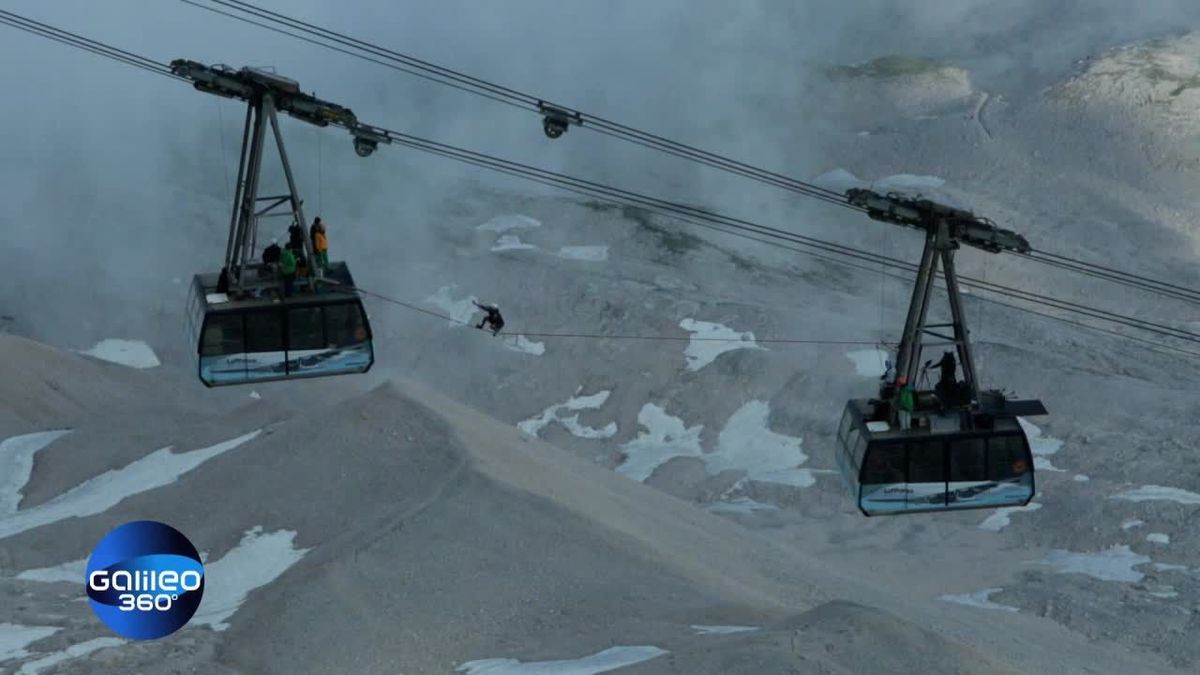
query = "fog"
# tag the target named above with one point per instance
(117, 182)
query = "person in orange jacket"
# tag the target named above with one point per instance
(320, 244)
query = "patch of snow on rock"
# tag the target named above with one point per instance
(1149, 493)
(1113, 564)
(748, 444)
(588, 253)
(600, 662)
(556, 413)
(710, 340)
(722, 630)
(74, 572)
(132, 353)
(525, 345)
(740, 505)
(979, 599)
(460, 311)
(14, 638)
(869, 362)
(73, 652)
(16, 465)
(1158, 538)
(511, 242)
(97, 495)
(665, 436)
(1001, 518)
(509, 222)
(257, 560)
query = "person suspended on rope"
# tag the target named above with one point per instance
(491, 318)
(320, 244)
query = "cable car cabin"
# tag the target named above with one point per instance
(312, 333)
(940, 466)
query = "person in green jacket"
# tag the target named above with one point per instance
(287, 270)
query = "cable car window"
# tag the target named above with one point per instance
(344, 324)
(264, 331)
(885, 464)
(1006, 457)
(852, 455)
(847, 420)
(860, 447)
(306, 328)
(925, 463)
(968, 459)
(222, 335)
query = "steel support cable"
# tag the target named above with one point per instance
(611, 128)
(492, 90)
(597, 189)
(1027, 296)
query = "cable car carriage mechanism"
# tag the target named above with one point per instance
(919, 449)
(245, 325)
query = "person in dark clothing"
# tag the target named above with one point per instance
(947, 387)
(296, 239)
(270, 254)
(491, 318)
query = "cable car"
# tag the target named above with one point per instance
(951, 446)
(246, 323)
(940, 465)
(276, 337)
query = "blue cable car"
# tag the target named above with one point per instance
(277, 337)
(936, 466)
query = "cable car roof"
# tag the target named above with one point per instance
(206, 285)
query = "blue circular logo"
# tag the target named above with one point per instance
(145, 580)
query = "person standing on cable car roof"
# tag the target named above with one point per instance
(287, 269)
(296, 239)
(320, 244)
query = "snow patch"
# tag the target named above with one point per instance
(14, 638)
(16, 465)
(665, 437)
(1164, 567)
(74, 572)
(588, 253)
(511, 242)
(600, 662)
(841, 180)
(1001, 518)
(869, 362)
(97, 495)
(710, 340)
(73, 652)
(748, 444)
(132, 353)
(1080, 478)
(979, 599)
(1041, 446)
(1148, 493)
(525, 345)
(256, 561)
(1113, 564)
(745, 444)
(460, 311)
(1158, 538)
(555, 413)
(740, 505)
(1132, 523)
(722, 630)
(255, 395)
(1166, 592)
(509, 222)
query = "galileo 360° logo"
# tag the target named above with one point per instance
(145, 580)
